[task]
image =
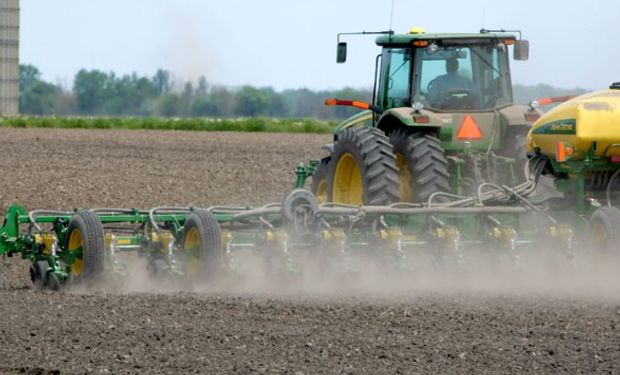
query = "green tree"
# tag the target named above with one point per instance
(41, 99)
(168, 105)
(161, 81)
(251, 101)
(187, 97)
(29, 75)
(304, 103)
(91, 90)
(203, 86)
(133, 95)
(222, 101)
(277, 107)
(202, 106)
(143, 94)
(37, 97)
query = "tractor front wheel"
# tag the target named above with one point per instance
(363, 168)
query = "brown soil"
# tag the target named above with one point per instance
(65, 169)
(286, 332)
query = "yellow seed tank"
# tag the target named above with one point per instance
(579, 122)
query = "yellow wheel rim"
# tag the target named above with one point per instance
(321, 191)
(404, 175)
(599, 234)
(191, 245)
(76, 245)
(348, 187)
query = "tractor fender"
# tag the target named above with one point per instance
(364, 118)
(515, 115)
(404, 117)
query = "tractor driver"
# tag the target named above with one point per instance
(452, 89)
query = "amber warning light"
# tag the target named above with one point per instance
(563, 152)
(469, 130)
(555, 99)
(352, 103)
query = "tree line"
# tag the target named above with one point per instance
(98, 93)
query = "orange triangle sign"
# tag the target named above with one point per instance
(469, 130)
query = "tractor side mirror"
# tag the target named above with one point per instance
(522, 50)
(341, 55)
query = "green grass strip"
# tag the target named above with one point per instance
(253, 124)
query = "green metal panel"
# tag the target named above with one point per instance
(9, 233)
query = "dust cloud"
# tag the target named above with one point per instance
(186, 51)
(537, 272)
(543, 267)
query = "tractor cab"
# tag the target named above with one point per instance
(446, 72)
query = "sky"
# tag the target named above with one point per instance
(292, 44)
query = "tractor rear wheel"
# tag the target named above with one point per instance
(201, 246)
(603, 230)
(363, 168)
(422, 165)
(84, 239)
(320, 180)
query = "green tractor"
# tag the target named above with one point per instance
(442, 119)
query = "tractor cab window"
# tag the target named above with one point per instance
(394, 85)
(463, 77)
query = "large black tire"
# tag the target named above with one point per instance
(422, 164)
(320, 180)
(604, 231)
(205, 247)
(85, 231)
(363, 168)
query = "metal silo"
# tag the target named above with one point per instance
(9, 57)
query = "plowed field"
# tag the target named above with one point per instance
(457, 330)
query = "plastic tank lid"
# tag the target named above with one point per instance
(615, 86)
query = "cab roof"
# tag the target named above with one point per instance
(400, 39)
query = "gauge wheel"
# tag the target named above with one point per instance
(200, 252)
(603, 230)
(85, 241)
